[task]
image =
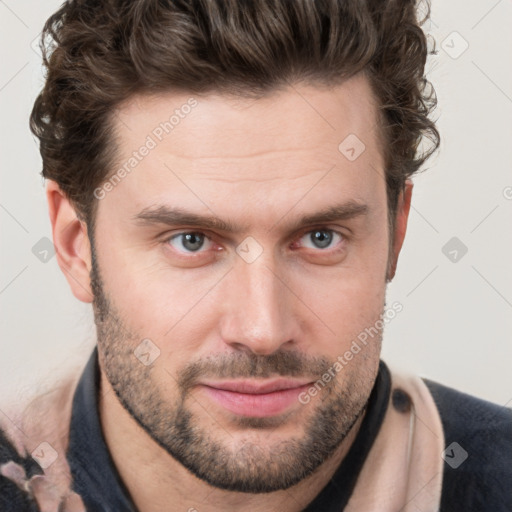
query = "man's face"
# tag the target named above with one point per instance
(261, 299)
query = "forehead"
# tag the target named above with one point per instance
(179, 147)
(309, 112)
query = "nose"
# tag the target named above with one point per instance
(259, 313)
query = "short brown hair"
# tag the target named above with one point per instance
(98, 53)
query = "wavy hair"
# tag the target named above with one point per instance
(98, 53)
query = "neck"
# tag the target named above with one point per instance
(154, 478)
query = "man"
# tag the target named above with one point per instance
(229, 186)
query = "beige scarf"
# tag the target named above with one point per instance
(403, 471)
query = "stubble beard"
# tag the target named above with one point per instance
(221, 460)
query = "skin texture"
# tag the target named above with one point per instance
(261, 165)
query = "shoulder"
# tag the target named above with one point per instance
(12, 498)
(478, 457)
(44, 419)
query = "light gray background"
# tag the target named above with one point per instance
(456, 323)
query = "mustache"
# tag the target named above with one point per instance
(247, 365)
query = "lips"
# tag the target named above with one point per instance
(256, 398)
(254, 387)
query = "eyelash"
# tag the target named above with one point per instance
(327, 250)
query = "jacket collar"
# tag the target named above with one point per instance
(95, 477)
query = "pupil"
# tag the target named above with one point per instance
(322, 238)
(193, 241)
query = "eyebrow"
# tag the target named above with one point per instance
(165, 215)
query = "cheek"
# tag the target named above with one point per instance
(346, 304)
(347, 301)
(158, 302)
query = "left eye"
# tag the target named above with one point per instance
(320, 238)
(188, 242)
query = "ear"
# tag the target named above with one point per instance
(71, 242)
(402, 215)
